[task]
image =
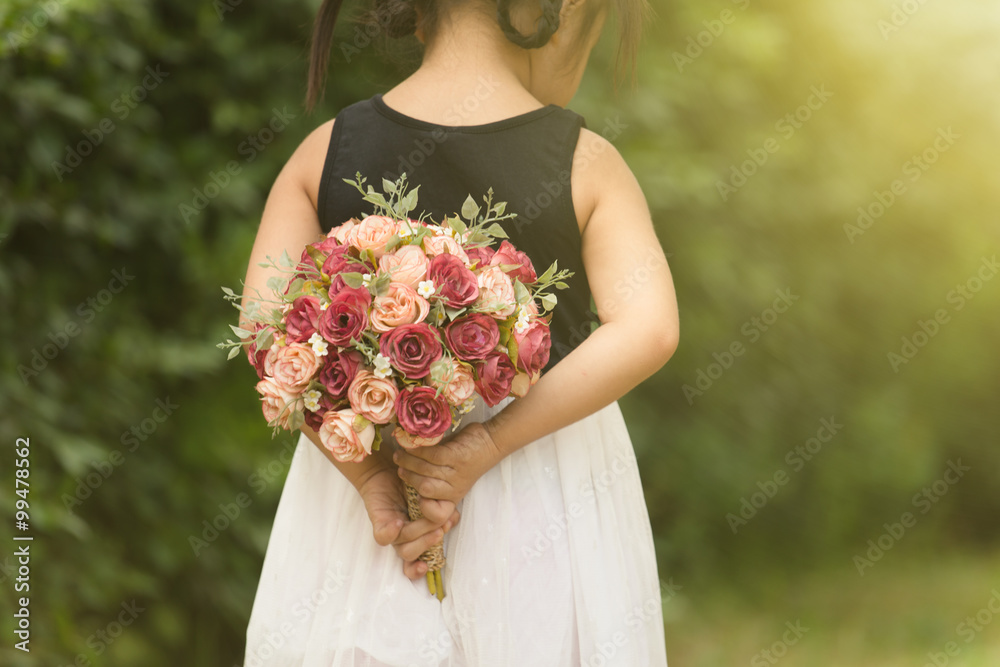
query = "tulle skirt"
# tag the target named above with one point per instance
(551, 565)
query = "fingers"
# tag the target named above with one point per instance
(428, 487)
(412, 550)
(387, 532)
(437, 511)
(415, 569)
(417, 464)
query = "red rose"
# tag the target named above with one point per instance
(339, 370)
(482, 255)
(346, 316)
(412, 348)
(494, 377)
(508, 254)
(325, 247)
(421, 414)
(302, 320)
(458, 285)
(533, 347)
(472, 336)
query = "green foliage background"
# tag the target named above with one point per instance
(227, 68)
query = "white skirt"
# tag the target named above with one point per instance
(551, 565)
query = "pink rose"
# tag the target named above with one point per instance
(412, 348)
(494, 377)
(399, 305)
(439, 244)
(480, 255)
(373, 398)
(341, 231)
(458, 382)
(339, 370)
(456, 283)
(372, 233)
(472, 336)
(406, 264)
(421, 413)
(301, 321)
(273, 401)
(533, 346)
(409, 441)
(338, 435)
(508, 254)
(496, 292)
(294, 366)
(346, 316)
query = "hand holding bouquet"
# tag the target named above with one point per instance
(395, 322)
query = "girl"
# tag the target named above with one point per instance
(552, 563)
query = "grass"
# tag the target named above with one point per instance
(896, 615)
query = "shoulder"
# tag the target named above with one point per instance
(306, 164)
(600, 176)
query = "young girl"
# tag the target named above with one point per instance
(552, 563)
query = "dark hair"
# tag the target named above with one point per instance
(399, 18)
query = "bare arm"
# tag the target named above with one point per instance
(633, 290)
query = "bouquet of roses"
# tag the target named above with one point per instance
(391, 321)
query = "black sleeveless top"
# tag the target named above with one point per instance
(526, 159)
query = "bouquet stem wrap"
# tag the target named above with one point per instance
(434, 557)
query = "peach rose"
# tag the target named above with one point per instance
(372, 233)
(294, 366)
(438, 244)
(399, 305)
(496, 292)
(340, 232)
(406, 264)
(274, 399)
(338, 435)
(456, 377)
(373, 398)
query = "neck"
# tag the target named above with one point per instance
(469, 75)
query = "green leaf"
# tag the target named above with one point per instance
(470, 209)
(500, 208)
(560, 285)
(497, 231)
(242, 333)
(388, 186)
(454, 312)
(352, 279)
(285, 262)
(228, 291)
(457, 225)
(277, 283)
(295, 420)
(409, 202)
(548, 301)
(521, 292)
(232, 353)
